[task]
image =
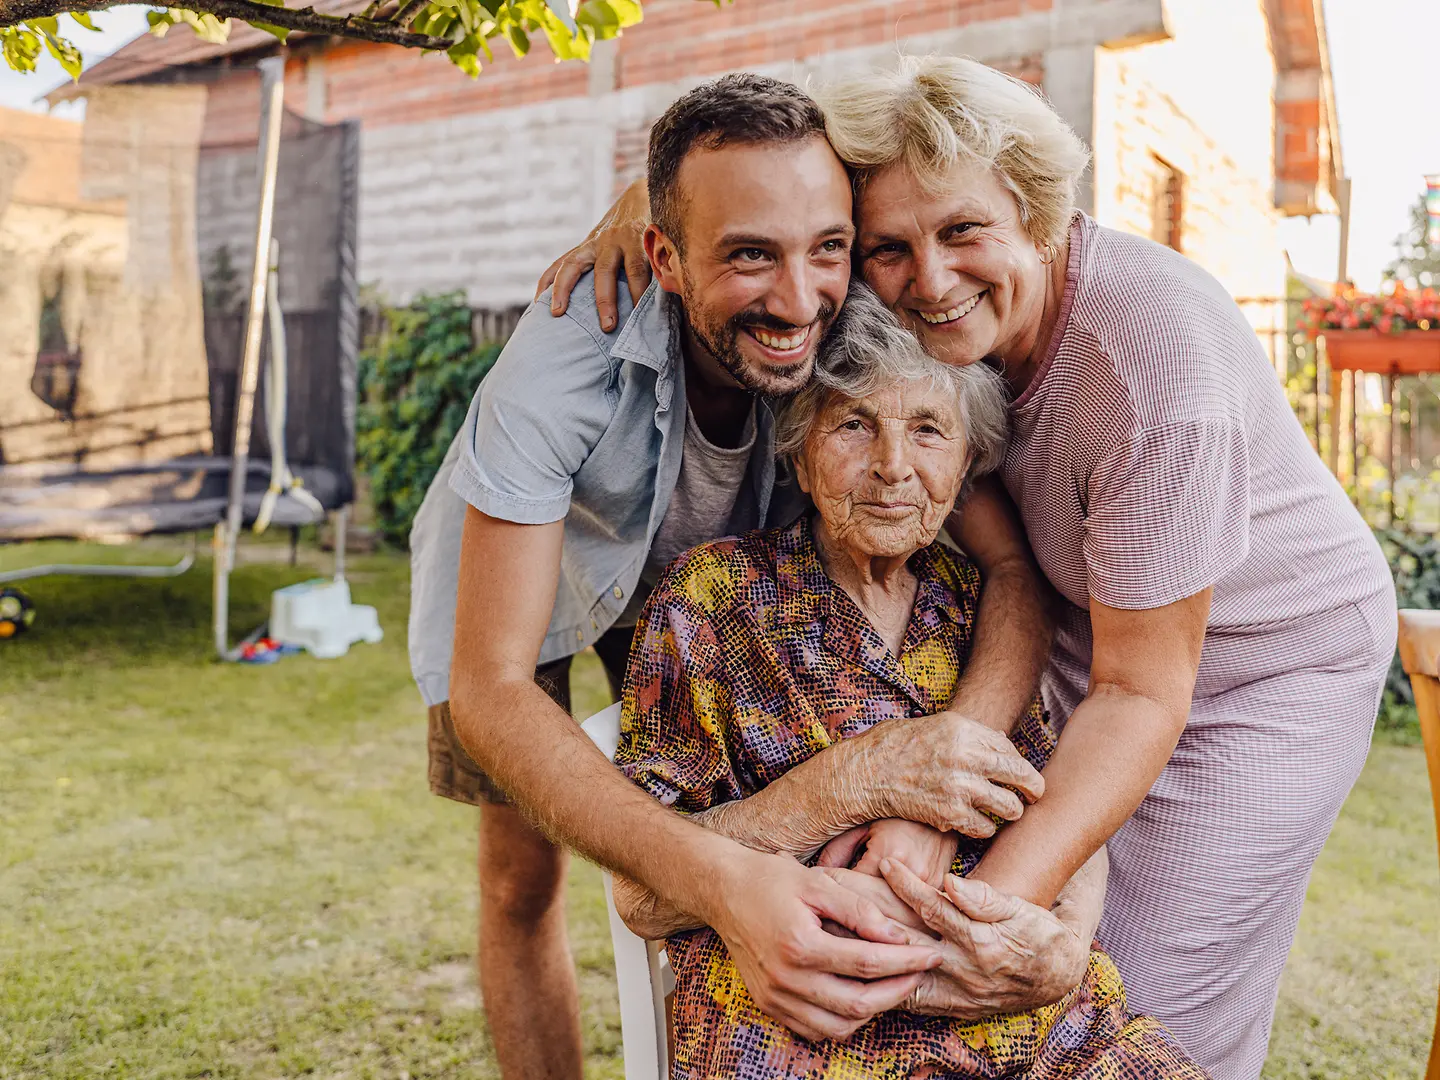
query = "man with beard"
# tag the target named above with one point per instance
(594, 453)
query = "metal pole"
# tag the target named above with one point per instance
(272, 107)
(342, 521)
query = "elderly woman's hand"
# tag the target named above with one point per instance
(1002, 954)
(946, 771)
(927, 852)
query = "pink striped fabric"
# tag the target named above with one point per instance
(1154, 455)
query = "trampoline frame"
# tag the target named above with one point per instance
(227, 531)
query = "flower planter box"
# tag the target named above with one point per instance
(1410, 352)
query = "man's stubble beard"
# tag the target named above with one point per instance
(724, 346)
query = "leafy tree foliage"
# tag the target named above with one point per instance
(1417, 261)
(416, 380)
(462, 29)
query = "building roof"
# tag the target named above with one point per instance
(148, 55)
(1308, 160)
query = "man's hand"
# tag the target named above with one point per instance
(947, 771)
(1002, 954)
(877, 890)
(769, 911)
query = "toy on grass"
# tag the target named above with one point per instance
(17, 612)
(265, 650)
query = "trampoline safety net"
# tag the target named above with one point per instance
(125, 262)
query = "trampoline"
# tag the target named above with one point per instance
(140, 334)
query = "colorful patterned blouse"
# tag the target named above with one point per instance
(748, 660)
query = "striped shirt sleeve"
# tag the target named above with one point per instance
(1168, 513)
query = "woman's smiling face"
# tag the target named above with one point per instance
(960, 269)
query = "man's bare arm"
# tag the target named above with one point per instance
(768, 909)
(1014, 626)
(508, 577)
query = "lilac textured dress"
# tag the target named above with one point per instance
(1153, 456)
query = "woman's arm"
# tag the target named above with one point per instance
(617, 240)
(1014, 625)
(1112, 750)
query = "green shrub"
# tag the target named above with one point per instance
(1414, 559)
(417, 376)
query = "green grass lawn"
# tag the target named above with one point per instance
(229, 871)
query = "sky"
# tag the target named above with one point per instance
(1381, 52)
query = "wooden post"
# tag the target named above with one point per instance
(1337, 395)
(1390, 445)
(1355, 385)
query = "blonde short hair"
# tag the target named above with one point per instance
(935, 111)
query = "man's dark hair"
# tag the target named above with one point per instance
(740, 108)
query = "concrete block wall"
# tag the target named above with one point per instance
(478, 185)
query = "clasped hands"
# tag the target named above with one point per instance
(919, 938)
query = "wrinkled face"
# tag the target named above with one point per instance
(766, 263)
(885, 470)
(960, 270)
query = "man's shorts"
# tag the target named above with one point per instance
(454, 775)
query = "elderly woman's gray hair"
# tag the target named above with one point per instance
(867, 351)
(933, 112)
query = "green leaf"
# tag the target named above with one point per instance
(83, 18)
(20, 46)
(627, 11)
(65, 53)
(281, 32)
(519, 41)
(600, 17)
(464, 55)
(160, 22)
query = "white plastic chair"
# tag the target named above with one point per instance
(642, 973)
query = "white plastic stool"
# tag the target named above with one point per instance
(642, 972)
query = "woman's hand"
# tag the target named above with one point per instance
(946, 771)
(617, 240)
(1002, 954)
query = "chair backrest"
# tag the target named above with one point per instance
(1420, 657)
(642, 974)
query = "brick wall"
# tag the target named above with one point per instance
(1228, 221)
(478, 184)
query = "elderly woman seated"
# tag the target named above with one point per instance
(757, 653)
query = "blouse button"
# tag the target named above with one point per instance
(619, 592)
(579, 635)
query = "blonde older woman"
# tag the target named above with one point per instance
(768, 672)
(1228, 617)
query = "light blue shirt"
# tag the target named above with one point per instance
(578, 425)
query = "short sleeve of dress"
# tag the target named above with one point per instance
(1168, 514)
(674, 730)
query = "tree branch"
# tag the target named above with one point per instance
(302, 20)
(407, 11)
